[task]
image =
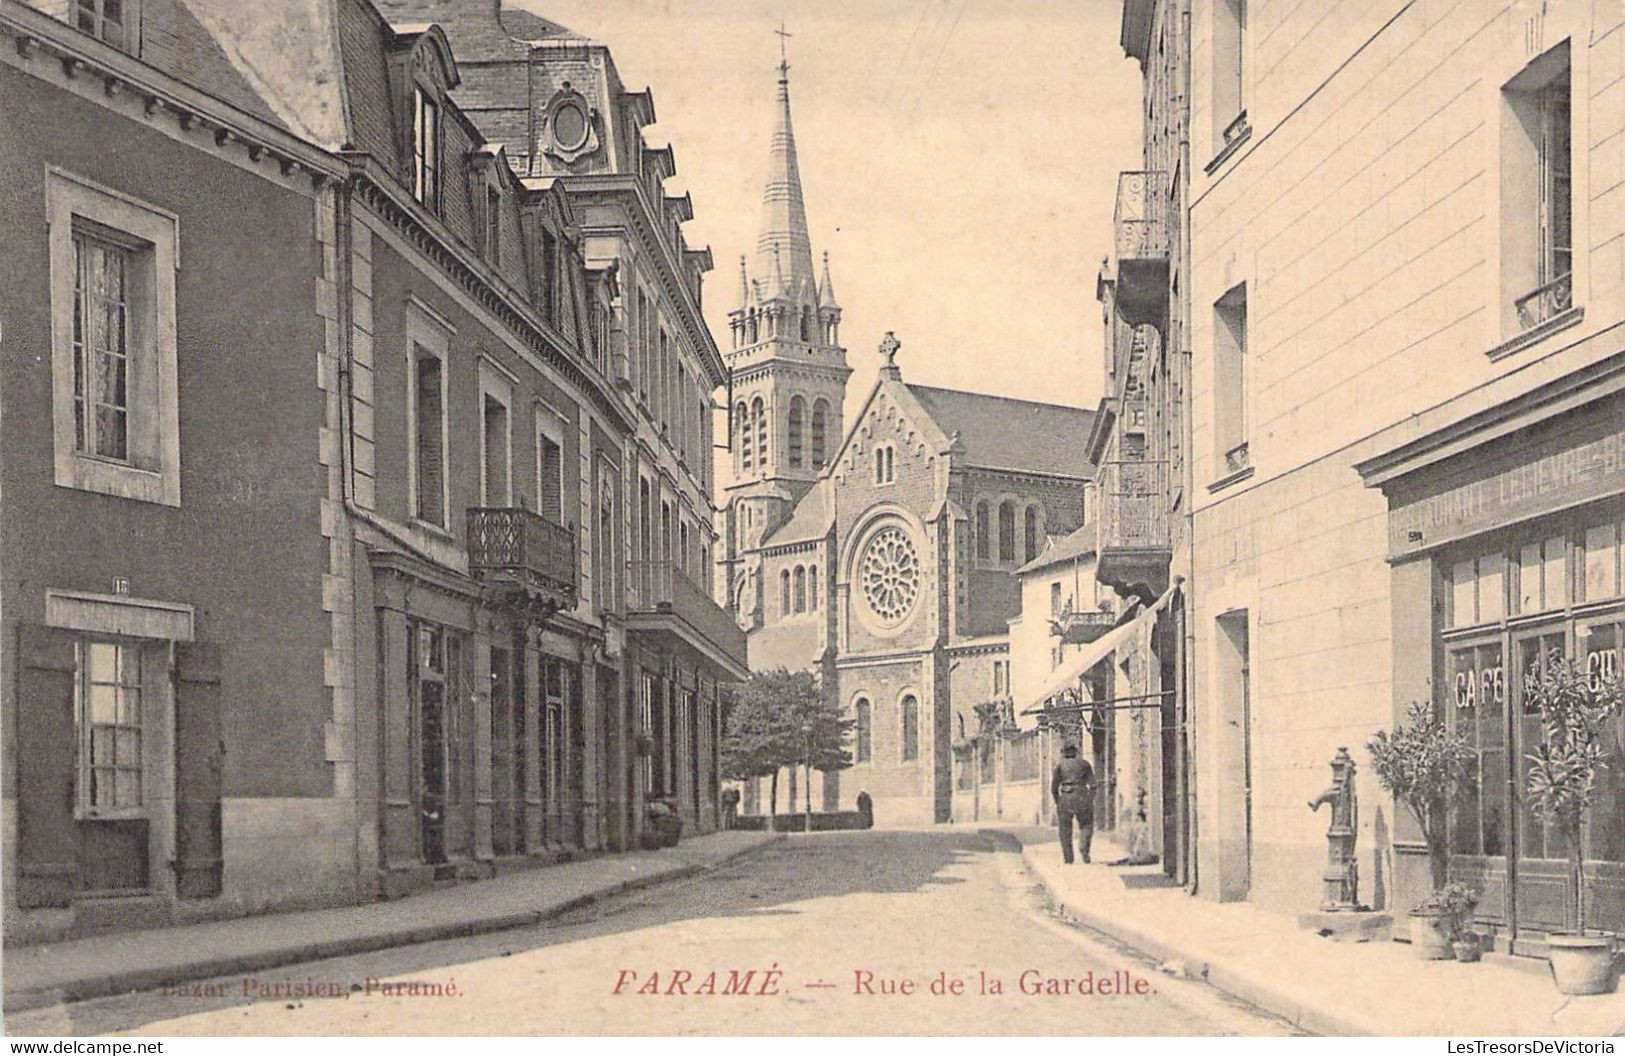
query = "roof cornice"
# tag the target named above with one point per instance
(378, 189)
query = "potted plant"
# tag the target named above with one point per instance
(1454, 904)
(1574, 707)
(1420, 764)
(664, 826)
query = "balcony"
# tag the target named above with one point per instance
(1546, 302)
(668, 605)
(1141, 226)
(1135, 542)
(524, 556)
(1082, 626)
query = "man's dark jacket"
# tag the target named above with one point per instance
(1072, 784)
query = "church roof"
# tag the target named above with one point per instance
(998, 432)
(1062, 550)
(783, 248)
(810, 520)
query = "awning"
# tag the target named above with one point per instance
(1075, 667)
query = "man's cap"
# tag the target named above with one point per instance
(1069, 748)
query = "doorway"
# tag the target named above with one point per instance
(1235, 748)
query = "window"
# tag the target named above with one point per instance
(1055, 600)
(549, 464)
(425, 149)
(861, 708)
(798, 409)
(547, 286)
(428, 438)
(115, 410)
(1001, 678)
(885, 463)
(1030, 534)
(1538, 193)
(1230, 381)
(820, 427)
(758, 414)
(1229, 51)
(801, 589)
(111, 21)
(812, 588)
(495, 480)
(880, 465)
(742, 437)
(1007, 532)
(983, 546)
(784, 593)
(911, 727)
(493, 225)
(645, 355)
(606, 563)
(107, 710)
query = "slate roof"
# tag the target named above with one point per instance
(1059, 551)
(998, 432)
(479, 30)
(810, 520)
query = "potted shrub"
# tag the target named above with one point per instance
(1420, 764)
(1454, 904)
(1574, 707)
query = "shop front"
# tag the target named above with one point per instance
(1507, 551)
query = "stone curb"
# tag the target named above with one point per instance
(1233, 981)
(137, 979)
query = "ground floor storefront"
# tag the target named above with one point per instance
(1507, 547)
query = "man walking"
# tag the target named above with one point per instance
(1073, 787)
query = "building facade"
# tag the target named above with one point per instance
(1401, 266)
(401, 628)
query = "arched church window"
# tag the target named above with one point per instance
(784, 593)
(880, 465)
(1007, 531)
(742, 436)
(820, 433)
(758, 414)
(798, 411)
(1030, 535)
(812, 588)
(891, 464)
(911, 727)
(983, 546)
(801, 589)
(863, 731)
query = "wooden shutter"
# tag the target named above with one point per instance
(47, 760)
(199, 759)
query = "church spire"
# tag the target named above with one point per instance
(783, 240)
(826, 288)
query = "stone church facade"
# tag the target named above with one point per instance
(883, 557)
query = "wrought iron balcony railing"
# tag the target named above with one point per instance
(662, 587)
(522, 548)
(1141, 217)
(1134, 498)
(1541, 304)
(1081, 626)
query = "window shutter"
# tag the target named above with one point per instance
(199, 758)
(46, 761)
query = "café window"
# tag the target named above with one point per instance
(1549, 592)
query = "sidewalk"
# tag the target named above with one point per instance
(140, 960)
(1371, 988)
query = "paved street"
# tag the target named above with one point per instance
(803, 913)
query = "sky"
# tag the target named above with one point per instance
(958, 158)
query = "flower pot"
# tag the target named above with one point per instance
(1430, 936)
(1467, 948)
(1581, 964)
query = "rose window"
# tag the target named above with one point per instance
(891, 575)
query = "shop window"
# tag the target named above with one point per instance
(1603, 561)
(114, 369)
(1542, 575)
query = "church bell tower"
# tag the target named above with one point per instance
(785, 360)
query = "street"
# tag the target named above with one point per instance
(791, 940)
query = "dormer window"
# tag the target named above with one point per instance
(493, 226)
(425, 149)
(110, 21)
(570, 124)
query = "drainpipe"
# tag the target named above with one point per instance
(1187, 627)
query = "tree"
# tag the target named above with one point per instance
(763, 729)
(1420, 764)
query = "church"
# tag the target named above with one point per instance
(882, 555)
